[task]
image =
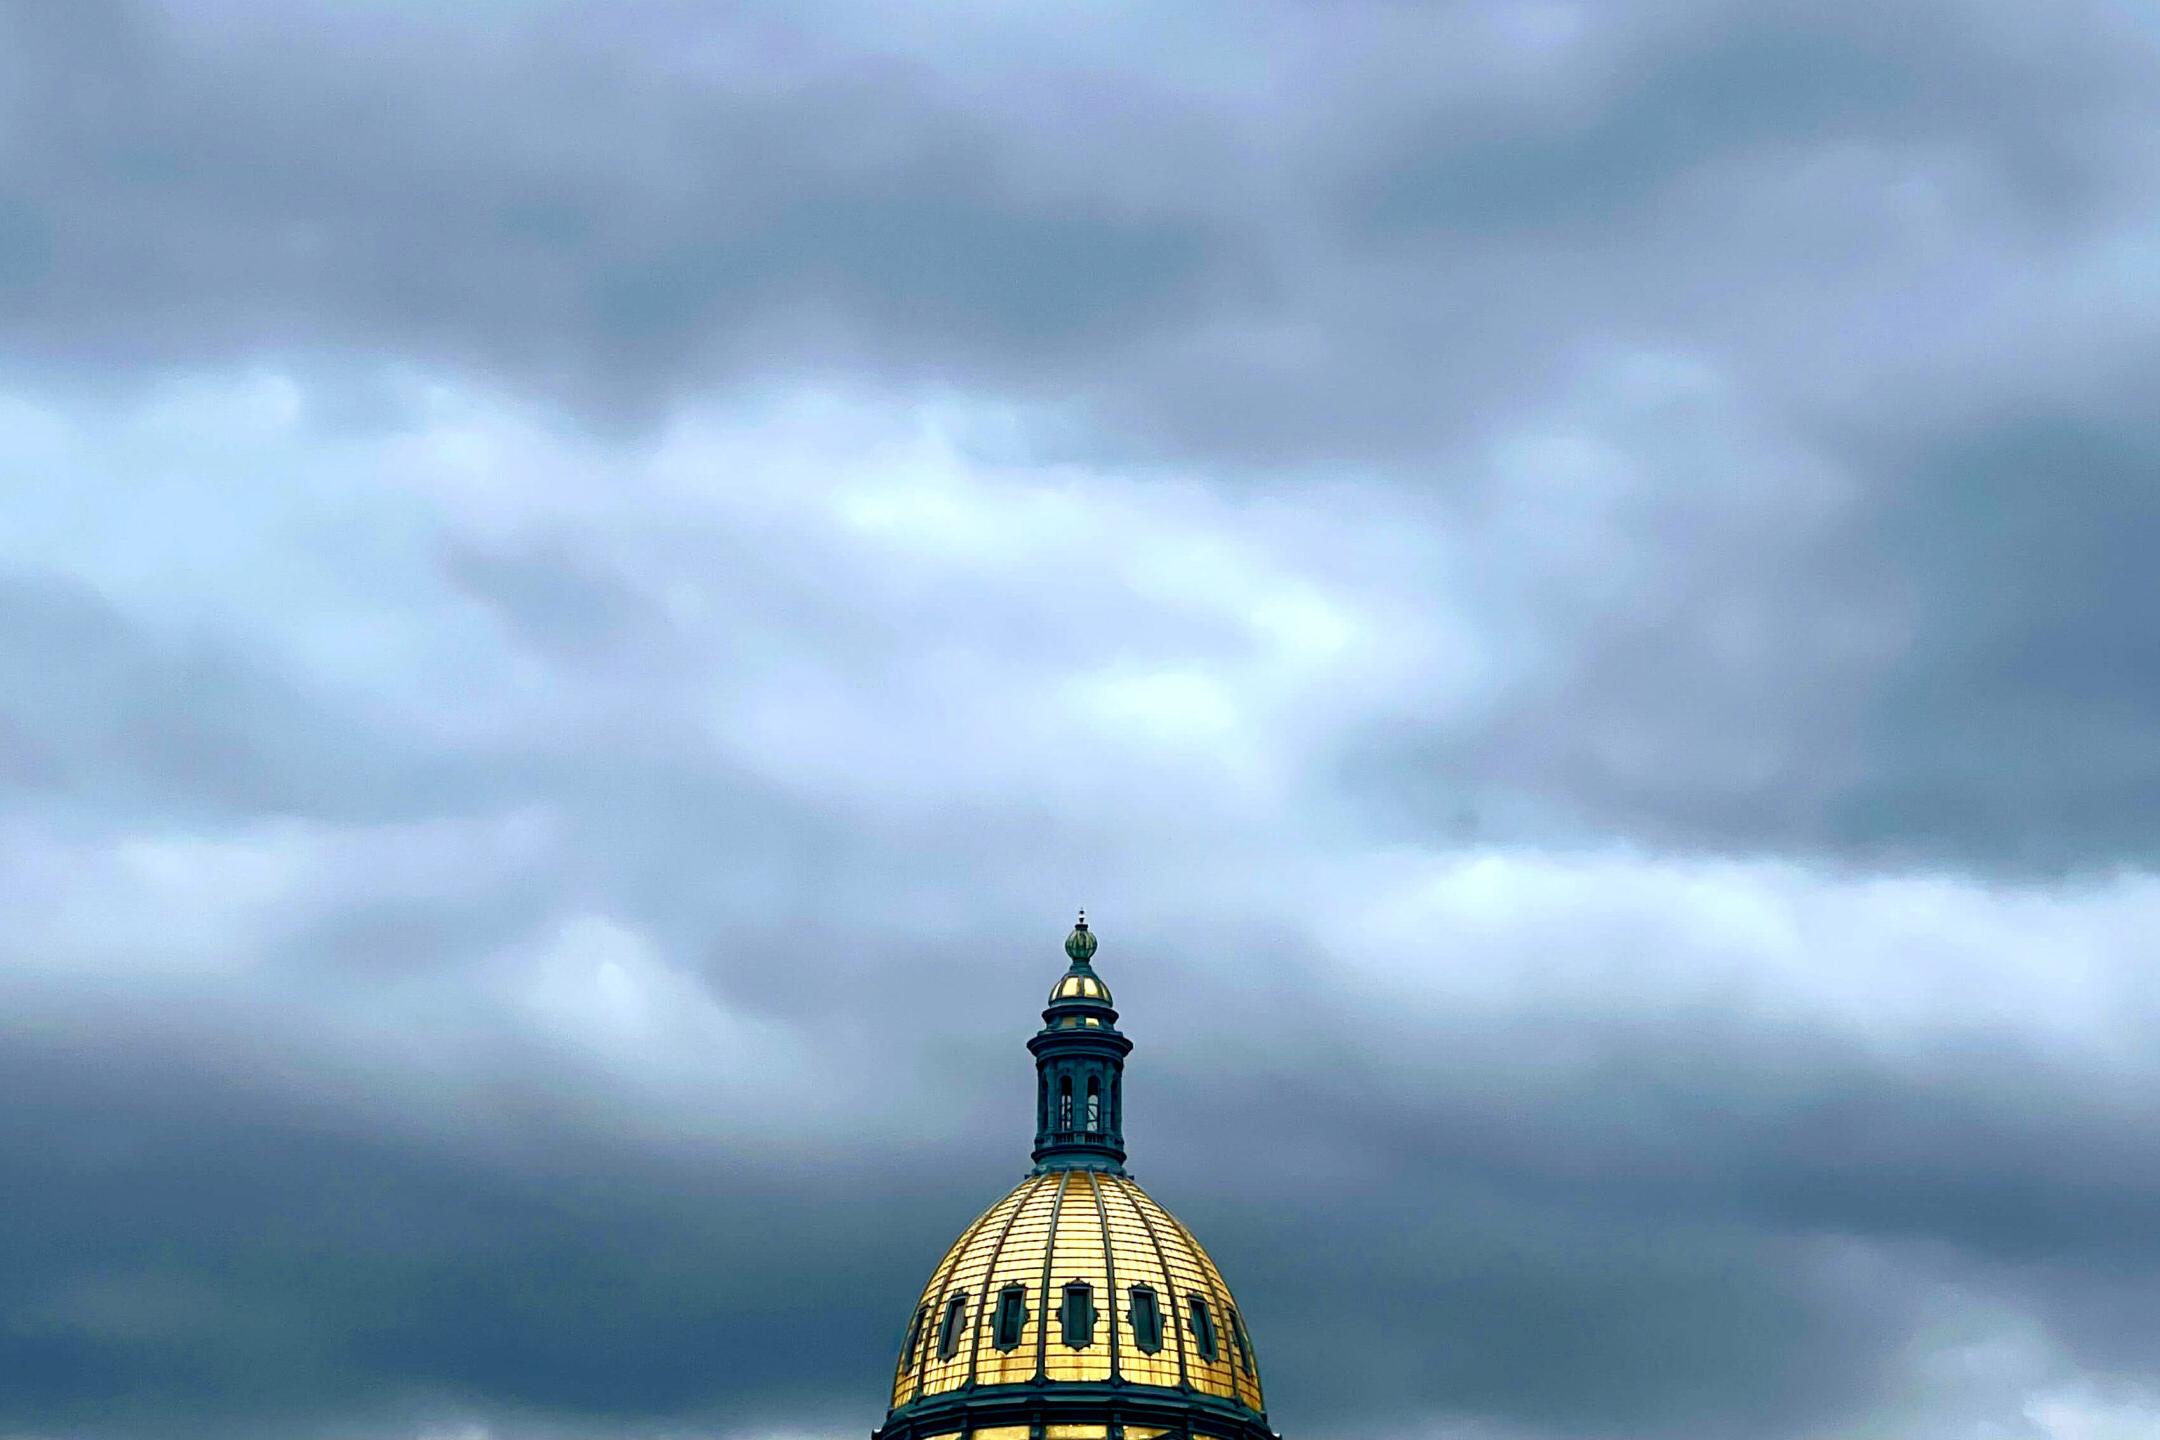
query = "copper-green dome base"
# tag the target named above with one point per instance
(1098, 1410)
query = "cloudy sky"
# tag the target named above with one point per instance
(585, 586)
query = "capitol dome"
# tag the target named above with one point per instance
(1076, 1308)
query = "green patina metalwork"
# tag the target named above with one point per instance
(1080, 1068)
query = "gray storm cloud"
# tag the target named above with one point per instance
(582, 588)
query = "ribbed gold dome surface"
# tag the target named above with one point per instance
(1077, 1254)
(1080, 987)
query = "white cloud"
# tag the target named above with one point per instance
(1900, 963)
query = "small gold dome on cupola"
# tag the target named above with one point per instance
(1076, 1308)
(1080, 982)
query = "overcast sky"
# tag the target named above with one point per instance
(584, 587)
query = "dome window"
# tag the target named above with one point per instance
(1244, 1341)
(1011, 1316)
(1203, 1329)
(1065, 1103)
(1146, 1313)
(1077, 1315)
(914, 1335)
(948, 1334)
(1094, 1105)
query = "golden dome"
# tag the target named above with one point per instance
(1076, 1308)
(1080, 986)
(1077, 1255)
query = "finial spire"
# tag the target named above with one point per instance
(1081, 943)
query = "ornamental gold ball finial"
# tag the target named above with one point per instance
(1081, 943)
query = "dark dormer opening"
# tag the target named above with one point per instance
(1244, 1341)
(1077, 1314)
(1203, 1329)
(914, 1335)
(1146, 1313)
(1094, 1105)
(1011, 1316)
(948, 1335)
